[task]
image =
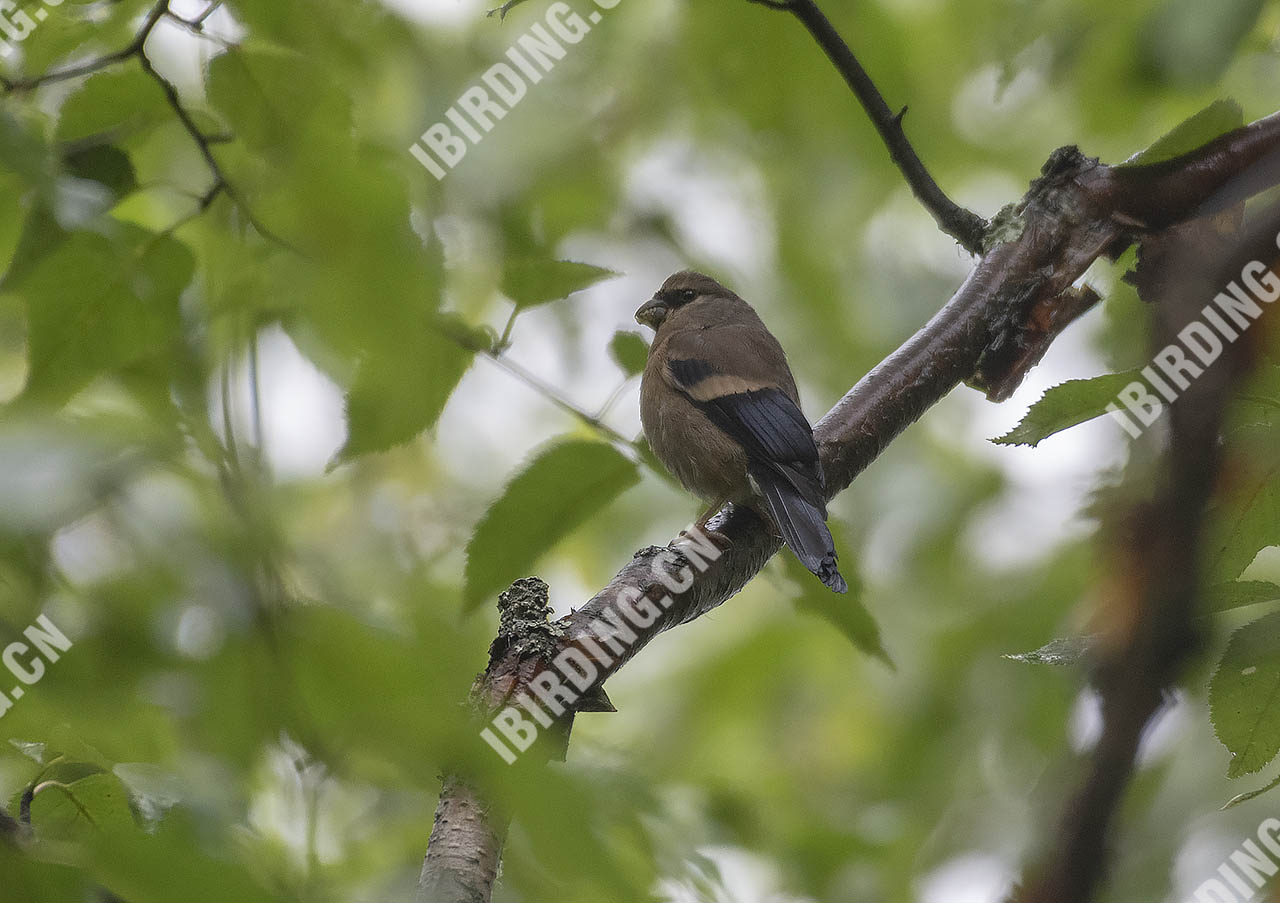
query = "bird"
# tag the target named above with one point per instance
(720, 410)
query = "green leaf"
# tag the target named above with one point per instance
(68, 771)
(24, 153)
(399, 391)
(844, 611)
(94, 306)
(1218, 118)
(1244, 696)
(70, 809)
(530, 281)
(558, 490)
(1240, 593)
(152, 790)
(147, 868)
(1063, 651)
(39, 235)
(123, 101)
(106, 165)
(1191, 43)
(412, 726)
(274, 98)
(629, 351)
(1067, 405)
(1246, 521)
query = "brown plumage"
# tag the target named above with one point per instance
(720, 410)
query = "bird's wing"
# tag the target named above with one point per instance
(736, 391)
(738, 377)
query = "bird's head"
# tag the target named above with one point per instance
(682, 289)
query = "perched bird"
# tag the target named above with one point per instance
(720, 409)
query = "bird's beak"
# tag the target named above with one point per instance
(652, 313)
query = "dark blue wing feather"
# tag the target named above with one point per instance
(782, 458)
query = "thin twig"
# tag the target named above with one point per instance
(228, 426)
(962, 224)
(134, 48)
(220, 181)
(505, 339)
(613, 398)
(552, 395)
(196, 24)
(212, 8)
(93, 65)
(198, 30)
(255, 393)
(204, 143)
(11, 830)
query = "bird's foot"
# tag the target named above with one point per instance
(700, 526)
(720, 539)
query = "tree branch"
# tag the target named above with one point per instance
(962, 224)
(464, 849)
(538, 385)
(204, 143)
(156, 13)
(1149, 603)
(995, 327)
(11, 830)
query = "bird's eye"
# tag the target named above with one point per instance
(688, 294)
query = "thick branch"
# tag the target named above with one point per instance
(963, 225)
(1016, 300)
(1150, 598)
(466, 843)
(1156, 559)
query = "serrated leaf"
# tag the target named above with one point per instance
(1244, 524)
(530, 281)
(1062, 652)
(274, 98)
(94, 305)
(844, 611)
(400, 391)
(1244, 696)
(559, 489)
(122, 101)
(629, 351)
(1064, 406)
(1240, 593)
(1218, 118)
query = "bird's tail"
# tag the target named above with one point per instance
(804, 527)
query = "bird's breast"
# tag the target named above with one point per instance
(698, 453)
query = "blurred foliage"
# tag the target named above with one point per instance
(254, 445)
